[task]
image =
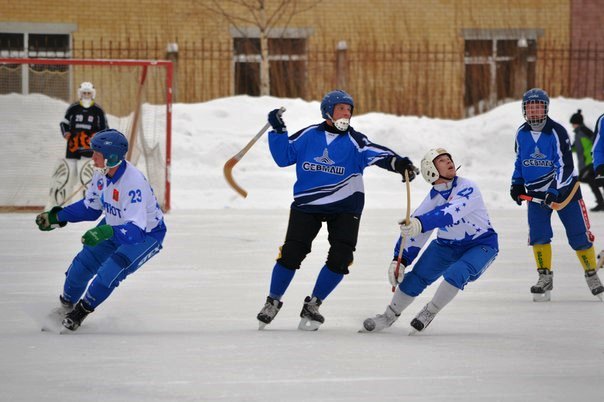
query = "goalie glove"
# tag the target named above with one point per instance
(97, 235)
(394, 279)
(48, 220)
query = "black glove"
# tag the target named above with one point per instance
(404, 164)
(587, 174)
(550, 196)
(48, 220)
(600, 175)
(516, 191)
(276, 121)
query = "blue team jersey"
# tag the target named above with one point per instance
(329, 167)
(458, 212)
(544, 159)
(598, 147)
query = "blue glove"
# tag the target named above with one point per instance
(550, 196)
(276, 121)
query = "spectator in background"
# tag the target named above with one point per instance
(582, 146)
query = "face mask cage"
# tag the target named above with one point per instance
(535, 112)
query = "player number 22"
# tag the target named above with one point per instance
(135, 196)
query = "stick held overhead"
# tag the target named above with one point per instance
(230, 164)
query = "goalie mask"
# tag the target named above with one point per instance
(112, 144)
(86, 93)
(428, 168)
(535, 106)
(329, 102)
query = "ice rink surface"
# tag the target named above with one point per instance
(183, 327)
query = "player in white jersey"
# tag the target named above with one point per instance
(131, 232)
(465, 246)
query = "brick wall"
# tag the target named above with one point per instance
(362, 24)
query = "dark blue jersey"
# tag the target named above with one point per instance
(598, 147)
(329, 167)
(544, 159)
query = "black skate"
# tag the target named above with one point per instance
(311, 319)
(593, 281)
(52, 322)
(268, 312)
(422, 319)
(74, 318)
(65, 304)
(545, 284)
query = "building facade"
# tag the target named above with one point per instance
(439, 58)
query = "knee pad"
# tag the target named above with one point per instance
(579, 241)
(114, 270)
(292, 255)
(339, 258)
(82, 268)
(457, 278)
(412, 284)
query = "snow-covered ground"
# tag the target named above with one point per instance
(183, 328)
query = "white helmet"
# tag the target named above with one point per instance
(86, 93)
(428, 169)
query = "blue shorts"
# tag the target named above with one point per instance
(456, 265)
(108, 263)
(573, 217)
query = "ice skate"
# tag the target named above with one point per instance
(422, 320)
(268, 312)
(594, 284)
(52, 322)
(311, 319)
(380, 321)
(74, 318)
(542, 289)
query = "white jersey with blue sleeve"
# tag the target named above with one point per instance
(458, 211)
(126, 197)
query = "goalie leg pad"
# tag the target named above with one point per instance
(86, 169)
(58, 183)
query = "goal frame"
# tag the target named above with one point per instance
(169, 68)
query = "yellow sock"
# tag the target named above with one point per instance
(543, 255)
(587, 258)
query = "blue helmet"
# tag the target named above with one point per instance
(331, 99)
(112, 144)
(535, 96)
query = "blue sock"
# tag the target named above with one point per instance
(280, 280)
(326, 282)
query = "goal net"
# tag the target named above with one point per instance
(136, 96)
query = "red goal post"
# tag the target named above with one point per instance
(35, 93)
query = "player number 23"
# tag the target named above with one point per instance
(135, 196)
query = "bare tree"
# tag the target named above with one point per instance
(269, 16)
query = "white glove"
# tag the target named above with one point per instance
(412, 229)
(401, 273)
